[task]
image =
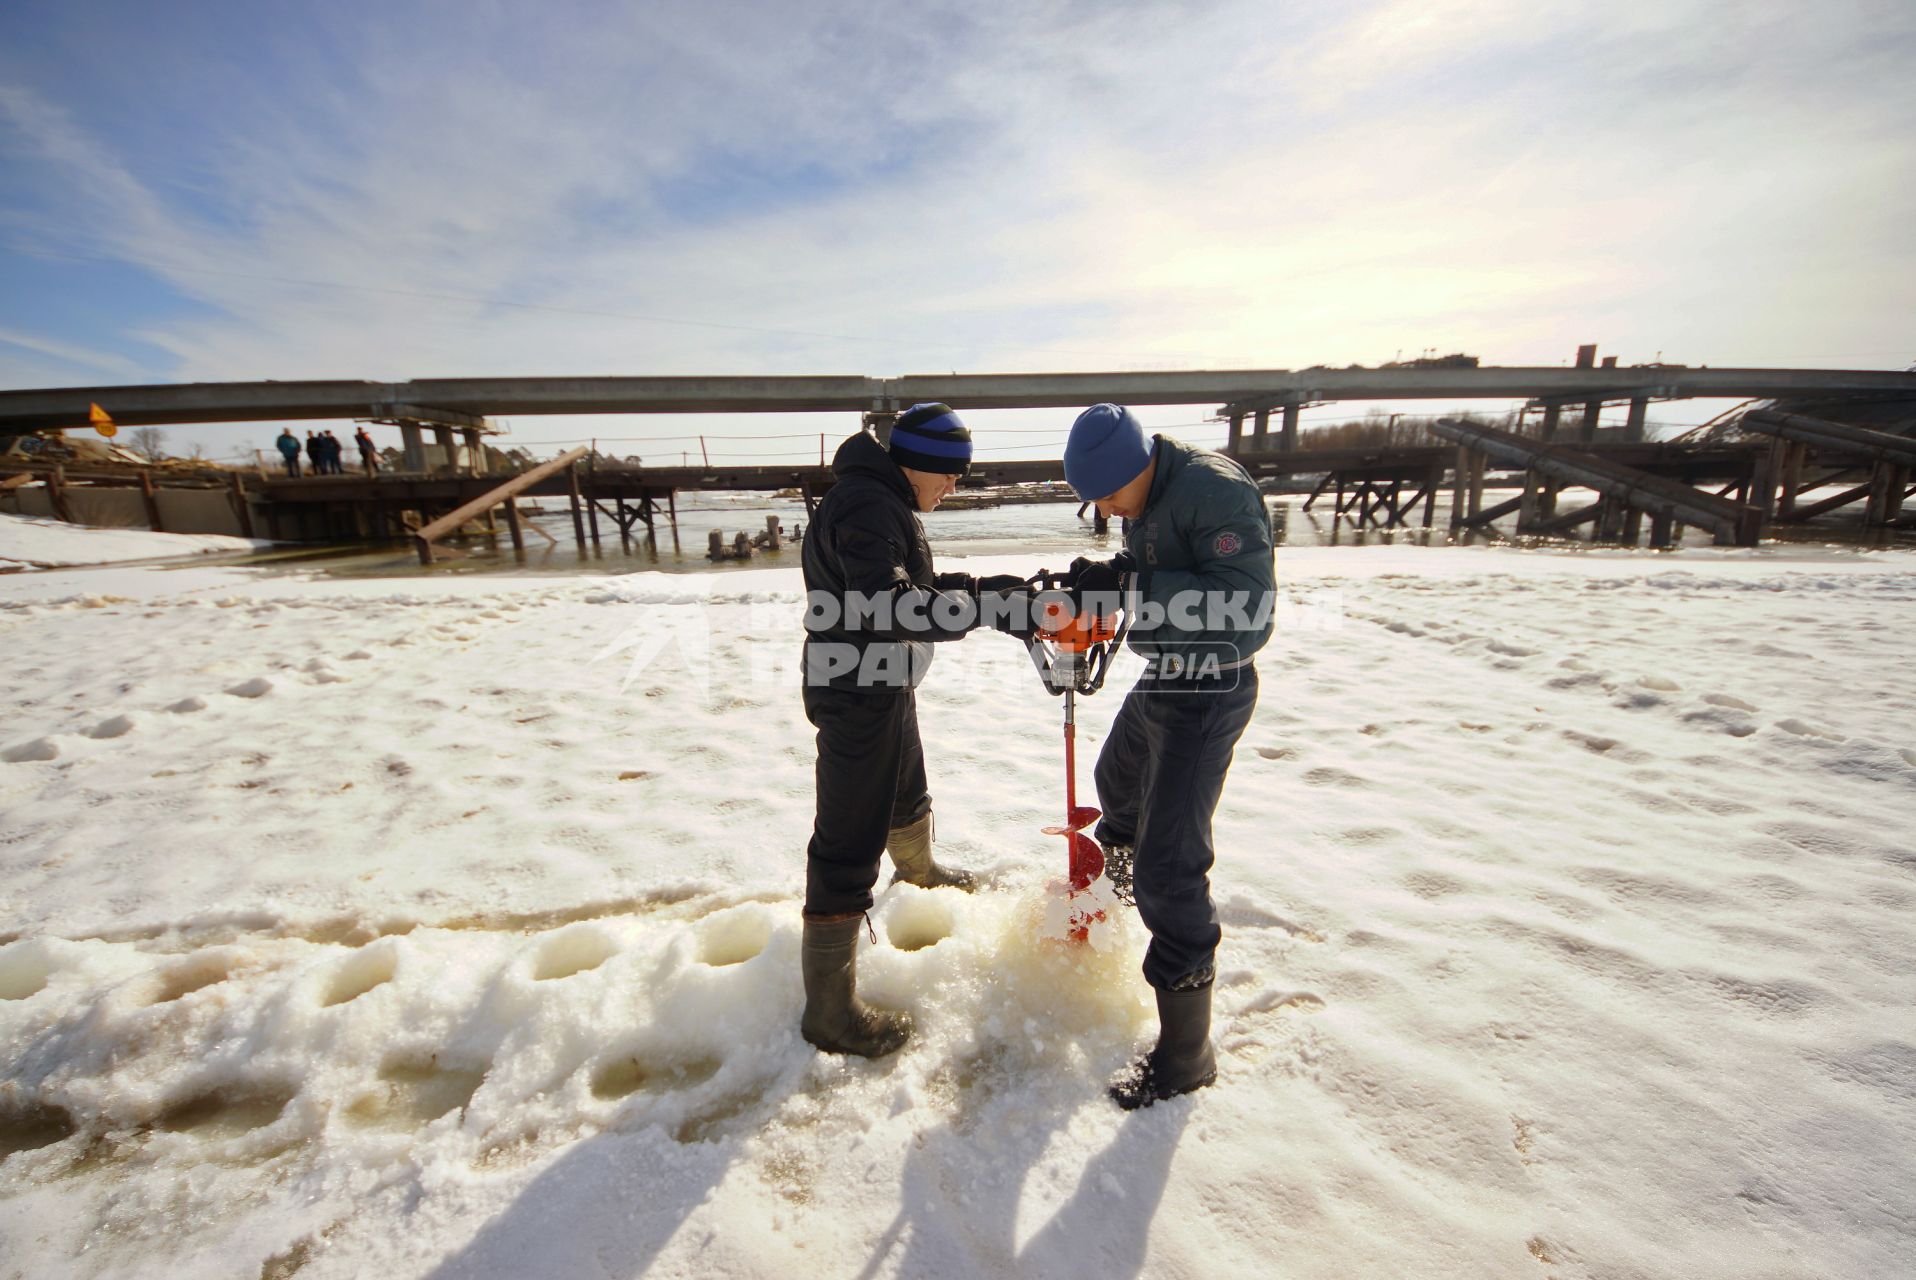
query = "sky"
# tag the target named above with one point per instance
(238, 191)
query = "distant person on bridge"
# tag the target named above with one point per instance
(874, 604)
(1198, 541)
(316, 452)
(289, 450)
(368, 451)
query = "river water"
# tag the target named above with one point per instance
(1047, 530)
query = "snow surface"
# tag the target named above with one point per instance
(450, 928)
(38, 542)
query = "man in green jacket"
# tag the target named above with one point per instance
(1199, 558)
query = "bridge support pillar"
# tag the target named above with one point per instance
(410, 445)
(1633, 428)
(1552, 415)
(1587, 427)
(1287, 438)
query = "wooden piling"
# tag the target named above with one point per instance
(513, 526)
(578, 516)
(152, 501)
(242, 508)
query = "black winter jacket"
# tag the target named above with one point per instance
(866, 546)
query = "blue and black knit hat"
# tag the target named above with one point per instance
(930, 437)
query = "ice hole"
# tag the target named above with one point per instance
(191, 975)
(225, 1113)
(361, 973)
(733, 937)
(573, 951)
(921, 921)
(626, 1075)
(31, 1127)
(618, 1078)
(410, 1092)
(23, 970)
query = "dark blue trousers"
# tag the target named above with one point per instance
(1159, 777)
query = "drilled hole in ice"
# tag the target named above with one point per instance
(733, 937)
(23, 970)
(355, 977)
(624, 1076)
(190, 976)
(919, 922)
(29, 1128)
(618, 1078)
(224, 1113)
(412, 1093)
(573, 951)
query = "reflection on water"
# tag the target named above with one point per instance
(1051, 532)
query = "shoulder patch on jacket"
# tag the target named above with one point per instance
(1228, 544)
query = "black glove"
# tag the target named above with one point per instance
(1100, 576)
(999, 582)
(1014, 612)
(1105, 571)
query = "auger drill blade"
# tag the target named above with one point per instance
(1082, 816)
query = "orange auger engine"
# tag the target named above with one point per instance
(1072, 650)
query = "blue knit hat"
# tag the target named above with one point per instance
(930, 437)
(1107, 450)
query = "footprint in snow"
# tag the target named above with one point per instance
(185, 705)
(115, 727)
(1804, 729)
(1239, 912)
(257, 687)
(25, 752)
(1271, 999)
(1727, 702)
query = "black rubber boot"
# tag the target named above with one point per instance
(1183, 1059)
(910, 848)
(836, 1020)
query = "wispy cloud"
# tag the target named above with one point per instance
(68, 354)
(845, 187)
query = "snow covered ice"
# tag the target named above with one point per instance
(450, 927)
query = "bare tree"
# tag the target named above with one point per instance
(149, 443)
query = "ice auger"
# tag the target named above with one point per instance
(1072, 650)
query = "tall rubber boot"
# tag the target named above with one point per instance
(910, 848)
(836, 1020)
(1183, 1059)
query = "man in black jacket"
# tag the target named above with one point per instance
(874, 609)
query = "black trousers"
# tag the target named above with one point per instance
(1159, 777)
(870, 778)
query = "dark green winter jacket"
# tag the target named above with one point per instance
(1205, 566)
